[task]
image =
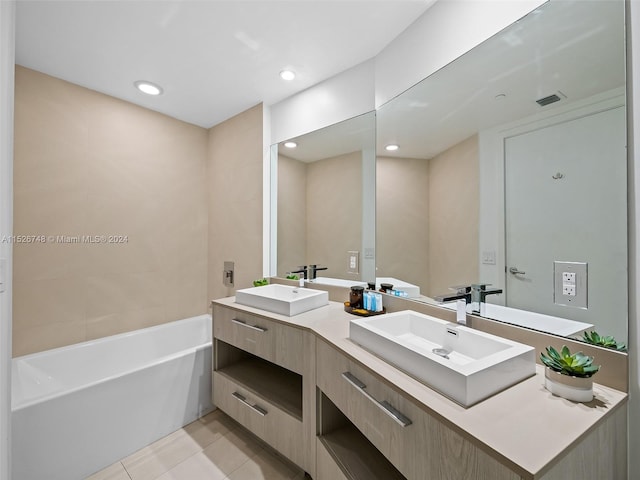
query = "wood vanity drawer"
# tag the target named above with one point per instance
(277, 428)
(273, 341)
(411, 439)
(336, 376)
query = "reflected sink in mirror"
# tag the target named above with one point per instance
(338, 282)
(536, 321)
(464, 364)
(282, 299)
(413, 291)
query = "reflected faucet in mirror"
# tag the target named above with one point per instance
(474, 294)
(310, 272)
(313, 269)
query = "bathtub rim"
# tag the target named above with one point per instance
(158, 361)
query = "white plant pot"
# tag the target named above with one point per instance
(577, 389)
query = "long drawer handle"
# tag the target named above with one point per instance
(259, 410)
(245, 324)
(385, 406)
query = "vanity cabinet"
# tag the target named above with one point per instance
(411, 439)
(273, 341)
(341, 413)
(261, 379)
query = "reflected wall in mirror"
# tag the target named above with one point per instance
(322, 200)
(514, 157)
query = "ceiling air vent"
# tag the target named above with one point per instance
(548, 100)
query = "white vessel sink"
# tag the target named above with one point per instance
(282, 299)
(464, 364)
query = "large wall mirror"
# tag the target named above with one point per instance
(326, 201)
(510, 169)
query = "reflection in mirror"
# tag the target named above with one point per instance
(322, 200)
(513, 158)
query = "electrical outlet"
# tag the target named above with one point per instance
(353, 263)
(570, 284)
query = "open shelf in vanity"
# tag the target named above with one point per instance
(340, 442)
(276, 385)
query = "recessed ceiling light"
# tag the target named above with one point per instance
(148, 87)
(290, 144)
(392, 147)
(287, 75)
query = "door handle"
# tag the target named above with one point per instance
(515, 271)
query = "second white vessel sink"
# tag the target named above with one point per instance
(282, 299)
(464, 364)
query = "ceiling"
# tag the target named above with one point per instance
(575, 49)
(213, 58)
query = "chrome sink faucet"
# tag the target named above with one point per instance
(462, 295)
(474, 294)
(301, 269)
(479, 294)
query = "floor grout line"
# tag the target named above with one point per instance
(243, 463)
(125, 470)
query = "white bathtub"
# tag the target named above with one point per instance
(78, 409)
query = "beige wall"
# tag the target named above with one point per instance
(292, 214)
(427, 218)
(334, 213)
(234, 184)
(319, 213)
(454, 217)
(402, 223)
(89, 164)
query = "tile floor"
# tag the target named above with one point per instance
(211, 448)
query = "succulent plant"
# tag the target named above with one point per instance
(575, 365)
(260, 282)
(594, 338)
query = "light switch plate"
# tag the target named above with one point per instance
(570, 281)
(489, 257)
